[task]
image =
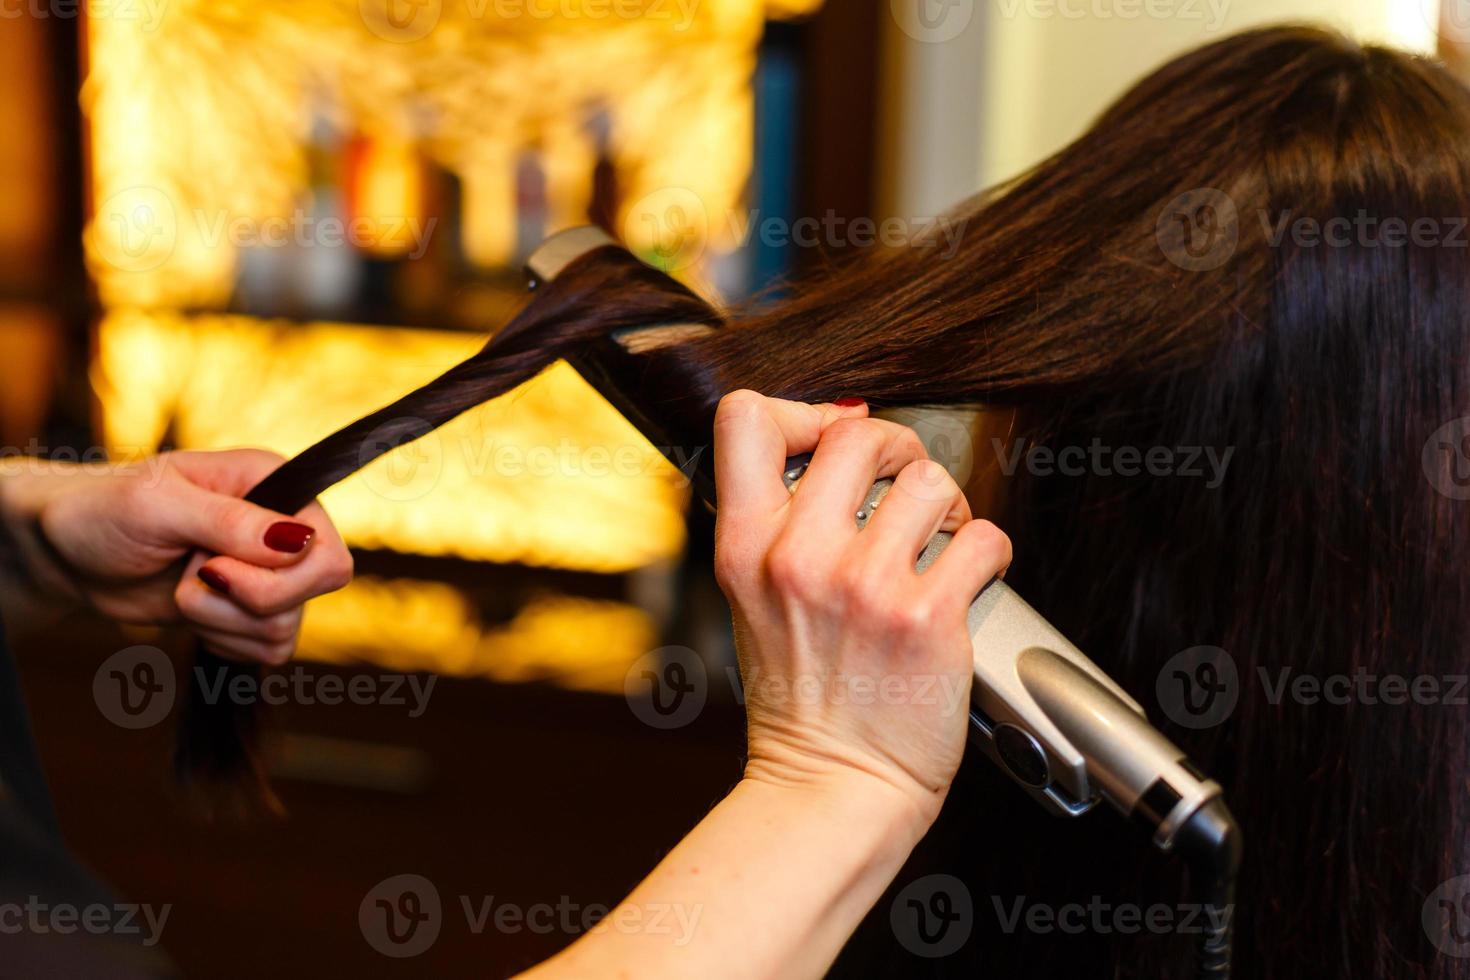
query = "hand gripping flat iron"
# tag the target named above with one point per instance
(1043, 712)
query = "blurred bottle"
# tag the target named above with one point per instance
(603, 207)
(531, 210)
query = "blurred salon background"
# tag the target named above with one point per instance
(228, 223)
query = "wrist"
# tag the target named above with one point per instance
(27, 486)
(848, 797)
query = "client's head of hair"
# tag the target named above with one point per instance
(1256, 266)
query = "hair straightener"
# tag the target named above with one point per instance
(1048, 716)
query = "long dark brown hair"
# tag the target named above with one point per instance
(1157, 284)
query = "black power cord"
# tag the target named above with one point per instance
(1210, 841)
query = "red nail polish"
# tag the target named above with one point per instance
(848, 402)
(214, 580)
(288, 536)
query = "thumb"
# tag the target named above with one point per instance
(226, 525)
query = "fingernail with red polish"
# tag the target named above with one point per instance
(288, 536)
(214, 580)
(848, 402)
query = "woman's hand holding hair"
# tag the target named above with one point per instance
(168, 540)
(857, 675)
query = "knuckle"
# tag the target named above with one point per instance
(738, 406)
(907, 441)
(794, 572)
(266, 456)
(860, 587)
(280, 628)
(856, 432)
(236, 522)
(729, 569)
(276, 654)
(738, 558)
(338, 572)
(927, 480)
(135, 498)
(258, 601)
(187, 598)
(907, 618)
(988, 539)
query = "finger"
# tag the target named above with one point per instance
(923, 500)
(851, 455)
(245, 649)
(203, 607)
(205, 509)
(978, 553)
(267, 591)
(753, 437)
(216, 522)
(233, 472)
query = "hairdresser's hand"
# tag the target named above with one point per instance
(169, 540)
(856, 668)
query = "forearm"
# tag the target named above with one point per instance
(770, 884)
